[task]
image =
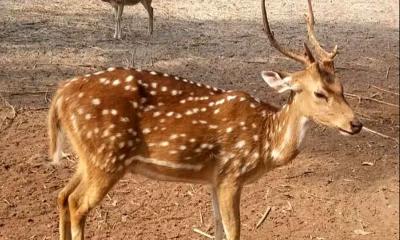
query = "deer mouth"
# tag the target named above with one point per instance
(345, 132)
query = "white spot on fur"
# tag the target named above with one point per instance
(219, 102)
(173, 136)
(182, 147)
(124, 119)
(229, 98)
(129, 78)
(116, 82)
(146, 131)
(102, 80)
(172, 152)
(96, 101)
(164, 144)
(134, 104)
(240, 144)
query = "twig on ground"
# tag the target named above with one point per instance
(46, 98)
(196, 230)
(201, 217)
(298, 175)
(384, 90)
(264, 216)
(37, 109)
(255, 61)
(370, 99)
(320, 198)
(380, 134)
(387, 72)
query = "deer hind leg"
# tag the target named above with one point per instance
(118, 10)
(149, 8)
(65, 223)
(228, 196)
(219, 230)
(91, 189)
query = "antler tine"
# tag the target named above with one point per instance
(298, 57)
(313, 39)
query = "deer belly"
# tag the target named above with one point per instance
(173, 172)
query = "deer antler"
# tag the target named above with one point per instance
(306, 58)
(324, 55)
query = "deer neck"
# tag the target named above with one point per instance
(285, 130)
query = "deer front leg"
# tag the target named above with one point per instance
(219, 230)
(228, 195)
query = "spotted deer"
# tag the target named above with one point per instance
(169, 128)
(118, 6)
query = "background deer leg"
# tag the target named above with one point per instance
(91, 189)
(65, 222)
(118, 10)
(219, 230)
(229, 202)
(147, 6)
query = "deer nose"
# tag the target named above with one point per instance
(356, 126)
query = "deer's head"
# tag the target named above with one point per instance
(316, 89)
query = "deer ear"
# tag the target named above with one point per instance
(274, 80)
(308, 53)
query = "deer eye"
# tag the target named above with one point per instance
(321, 96)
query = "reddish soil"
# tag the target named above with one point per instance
(337, 188)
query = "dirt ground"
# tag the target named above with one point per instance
(337, 188)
